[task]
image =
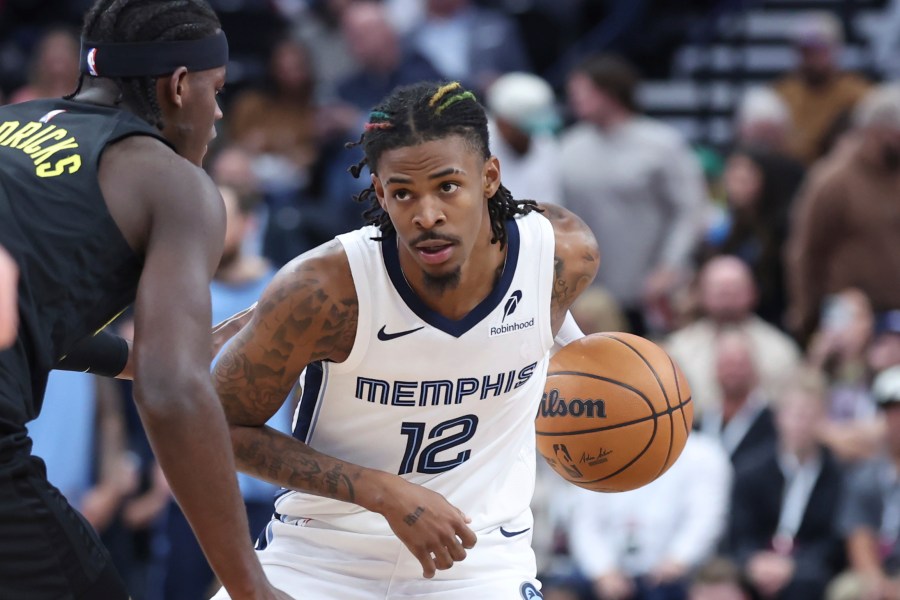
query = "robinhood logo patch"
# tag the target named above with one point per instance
(507, 323)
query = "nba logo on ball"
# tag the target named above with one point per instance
(529, 592)
(616, 412)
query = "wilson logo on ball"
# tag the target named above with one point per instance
(553, 405)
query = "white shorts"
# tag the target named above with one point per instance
(312, 561)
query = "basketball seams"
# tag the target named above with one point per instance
(665, 394)
(687, 430)
(654, 416)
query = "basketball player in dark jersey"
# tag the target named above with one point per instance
(104, 204)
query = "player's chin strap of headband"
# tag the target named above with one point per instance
(153, 59)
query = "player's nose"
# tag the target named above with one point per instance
(430, 213)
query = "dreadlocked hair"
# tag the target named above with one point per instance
(421, 113)
(128, 21)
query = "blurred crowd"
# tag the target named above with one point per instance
(769, 269)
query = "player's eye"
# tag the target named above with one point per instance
(401, 194)
(448, 187)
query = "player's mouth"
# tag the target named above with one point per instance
(434, 252)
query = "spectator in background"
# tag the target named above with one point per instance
(853, 430)
(870, 516)
(317, 25)
(553, 506)
(53, 72)
(884, 351)
(596, 310)
(646, 204)
(763, 121)
(727, 297)
(782, 525)
(718, 579)
(742, 420)
(846, 223)
(238, 283)
(759, 188)
(278, 123)
(818, 94)
(523, 121)
(468, 43)
(383, 62)
(635, 546)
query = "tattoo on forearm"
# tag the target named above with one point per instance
(412, 517)
(285, 461)
(335, 478)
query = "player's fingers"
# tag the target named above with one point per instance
(456, 550)
(442, 558)
(427, 561)
(467, 537)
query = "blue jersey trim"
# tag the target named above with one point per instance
(312, 386)
(476, 315)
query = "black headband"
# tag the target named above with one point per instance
(149, 59)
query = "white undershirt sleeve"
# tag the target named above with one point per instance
(568, 333)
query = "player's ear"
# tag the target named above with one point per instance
(491, 176)
(170, 90)
(379, 190)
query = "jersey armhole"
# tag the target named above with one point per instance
(357, 253)
(548, 252)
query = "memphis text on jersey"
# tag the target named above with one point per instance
(440, 391)
(42, 142)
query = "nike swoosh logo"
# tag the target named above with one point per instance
(513, 533)
(383, 336)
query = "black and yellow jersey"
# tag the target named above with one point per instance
(77, 272)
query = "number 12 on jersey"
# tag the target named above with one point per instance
(428, 461)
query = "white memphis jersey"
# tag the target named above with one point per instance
(446, 404)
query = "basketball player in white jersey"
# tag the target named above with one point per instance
(425, 340)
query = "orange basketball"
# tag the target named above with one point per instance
(616, 412)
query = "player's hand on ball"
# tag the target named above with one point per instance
(435, 531)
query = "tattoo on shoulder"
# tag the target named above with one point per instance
(569, 280)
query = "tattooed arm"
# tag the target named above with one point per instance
(309, 313)
(575, 263)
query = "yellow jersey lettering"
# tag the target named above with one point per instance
(7, 128)
(30, 139)
(45, 153)
(69, 164)
(34, 147)
(21, 134)
(42, 134)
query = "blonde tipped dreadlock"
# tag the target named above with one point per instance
(442, 91)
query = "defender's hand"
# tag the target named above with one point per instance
(227, 329)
